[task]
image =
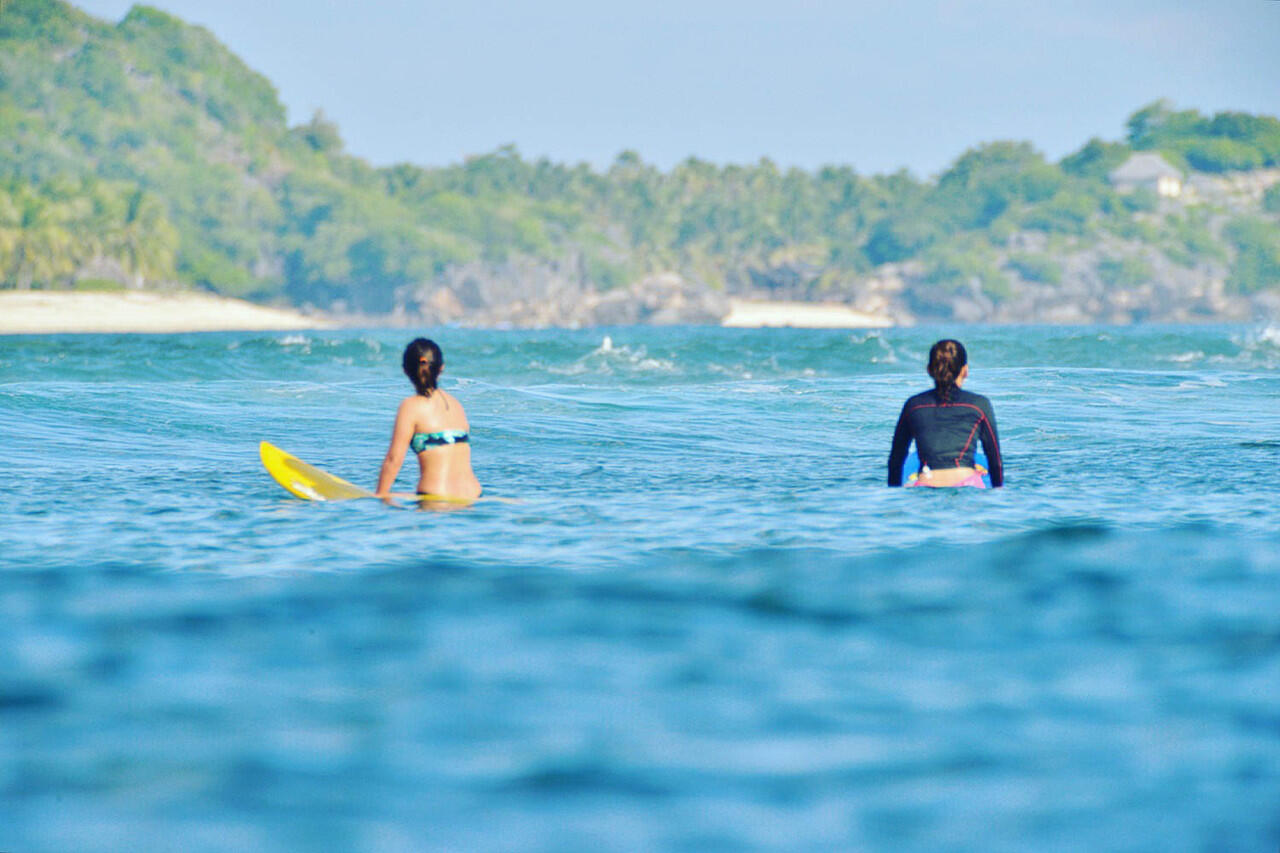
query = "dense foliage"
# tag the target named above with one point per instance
(1225, 142)
(147, 152)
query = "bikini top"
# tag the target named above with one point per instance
(422, 440)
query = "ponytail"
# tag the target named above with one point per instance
(946, 359)
(422, 363)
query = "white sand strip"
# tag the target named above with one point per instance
(753, 313)
(49, 312)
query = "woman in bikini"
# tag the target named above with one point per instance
(433, 425)
(947, 423)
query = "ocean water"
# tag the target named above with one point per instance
(707, 625)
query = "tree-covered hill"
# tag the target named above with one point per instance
(145, 153)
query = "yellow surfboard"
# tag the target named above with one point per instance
(310, 483)
(307, 481)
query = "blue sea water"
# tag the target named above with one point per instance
(707, 625)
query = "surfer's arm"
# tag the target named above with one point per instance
(991, 445)
(901, 443)
(401, 433)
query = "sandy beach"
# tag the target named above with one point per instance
(752, 313)
(50, 312)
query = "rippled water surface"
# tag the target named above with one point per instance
(706, 624)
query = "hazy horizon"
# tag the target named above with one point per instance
(860, 84)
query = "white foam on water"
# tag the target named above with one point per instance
(608, 356)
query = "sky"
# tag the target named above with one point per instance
(875, 85)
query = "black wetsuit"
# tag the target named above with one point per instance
(947, 432)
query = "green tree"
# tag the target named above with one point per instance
(1158, 124)
(1068, 212)
(1222, 155)
(319, 134)
(1095, 160)
(899, 237)
(986, 181)
(143, 239)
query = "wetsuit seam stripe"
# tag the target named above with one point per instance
(982, 418)
(995, 445)
(968, 441)
(995, 442)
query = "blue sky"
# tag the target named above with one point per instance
(875, 85)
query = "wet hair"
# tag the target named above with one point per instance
(422, 362)
(946, 359)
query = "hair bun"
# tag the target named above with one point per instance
(946, 359)
(422, 363)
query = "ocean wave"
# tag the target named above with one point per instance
(609, 358)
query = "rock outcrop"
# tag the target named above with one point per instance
(530, 293)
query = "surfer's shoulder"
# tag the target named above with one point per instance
(412, 403)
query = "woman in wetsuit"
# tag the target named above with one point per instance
(433, 425)
(947, 423)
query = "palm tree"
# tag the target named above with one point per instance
(144, 241)
(37, 247)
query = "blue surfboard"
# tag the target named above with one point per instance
(911, 467)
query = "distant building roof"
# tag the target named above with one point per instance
(1143, 167)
